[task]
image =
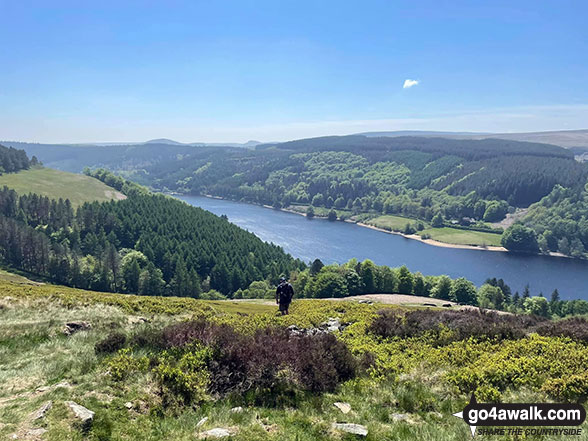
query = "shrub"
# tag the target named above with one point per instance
(270, 359)
(568, 388)
(123, 364)
(460, 324)
(575, 328)
(111, 344)
(185, 377)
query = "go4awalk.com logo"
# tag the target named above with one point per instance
(523, 418)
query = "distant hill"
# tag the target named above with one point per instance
(163, 141)
(562, 138)
(57, 184)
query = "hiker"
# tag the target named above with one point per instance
(284, 294)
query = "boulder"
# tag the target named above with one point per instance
(41, 411)
(343, 407)
(85, 416)
(73, 327)
(218, 432)
(355, 429)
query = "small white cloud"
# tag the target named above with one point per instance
(409, 83)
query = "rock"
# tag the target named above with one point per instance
(86, 416)
(400, 417)
(356, 429)
(237, 409)
(343, 407)
(43, 389)
(36, 433)
(137, 320)
(202, 422)
(447, 305)
(40, 413)
(129, 405)
(218, 432)
(73, 327)
(366, 301)
(332, 325)
(404, 417)
(269, 428)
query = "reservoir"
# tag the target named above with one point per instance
(337, 242)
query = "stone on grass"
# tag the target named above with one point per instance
(41, 411)
(202, 422)
(355, 429)
(343, 407)
(400, 417)
(129, 405)
(237, 409)
(86, 416)
(218, 432)
(36, 433)
(73, 327)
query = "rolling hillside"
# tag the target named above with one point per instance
(110, 366)
(57, 184)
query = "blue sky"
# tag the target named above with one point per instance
(276, 70)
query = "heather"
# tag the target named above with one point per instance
(154, 373)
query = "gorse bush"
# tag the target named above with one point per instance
(183, 376)
(568, 388)
(124, 364)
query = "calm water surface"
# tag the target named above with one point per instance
(338, 242)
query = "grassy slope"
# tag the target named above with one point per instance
(34, 353)
(57, 184)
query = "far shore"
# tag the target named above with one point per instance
(432, 242)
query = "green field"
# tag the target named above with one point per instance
(57, 184)
(393, 223)
(463, 237)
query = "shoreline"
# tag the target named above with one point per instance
(431, 242)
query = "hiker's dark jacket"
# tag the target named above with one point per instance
(284, 293)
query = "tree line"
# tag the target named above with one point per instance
(13, 160)
(148, 244)
(357, 278)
